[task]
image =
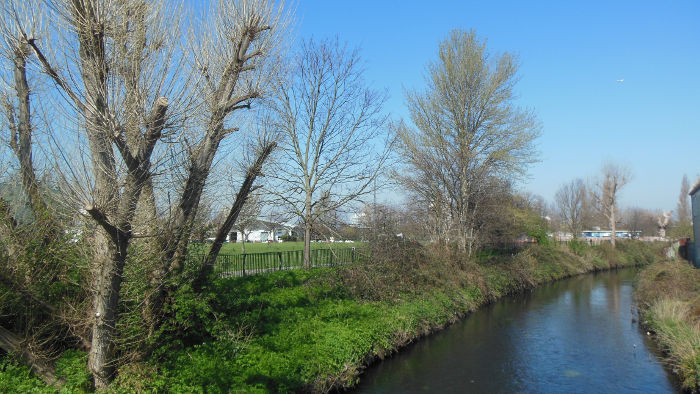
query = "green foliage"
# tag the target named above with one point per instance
(578, 247)
(314, 330)
(288, 238)
(72, 367)
(16, 378)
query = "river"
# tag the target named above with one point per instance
(579, 335)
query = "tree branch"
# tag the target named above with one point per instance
(14, 344)
(54, 75)
(104, 222)
(155, 125)
(243, 193)
(10, 113)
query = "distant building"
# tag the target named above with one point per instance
(260, 231)
(694, 248)
(607, 234)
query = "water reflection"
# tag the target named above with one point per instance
(577, 335)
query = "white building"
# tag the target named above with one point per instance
(260, 231)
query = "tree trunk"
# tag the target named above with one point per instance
(21, 144)
(307, 245)
(612, 226)
(461, 239)
(307, 227)
(23, 149)
(470, 243)
(108, 280)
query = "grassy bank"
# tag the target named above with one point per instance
(669, 294)
(316, 330)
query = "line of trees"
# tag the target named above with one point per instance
(139, 104)
(581, 205)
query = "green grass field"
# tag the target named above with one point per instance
(235, 248)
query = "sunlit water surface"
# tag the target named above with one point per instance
(579, 335)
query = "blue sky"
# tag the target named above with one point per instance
(571, 55)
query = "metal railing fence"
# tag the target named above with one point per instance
(228, 265)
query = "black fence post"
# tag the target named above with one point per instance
(352, 255)
(279, 256)
(244, 255)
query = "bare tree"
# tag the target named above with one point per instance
(468, 130)
(570, 200)
(126, 80)
(333, 149)
(606, 195)
(640, 219)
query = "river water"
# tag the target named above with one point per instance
(578, 335)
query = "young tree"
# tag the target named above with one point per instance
(333, 150)
(570, 200)
(468, 130)
(606, 195)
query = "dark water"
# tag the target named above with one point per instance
(575, 336)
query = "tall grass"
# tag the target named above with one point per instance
(676, 333)
(669, 292)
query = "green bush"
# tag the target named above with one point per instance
(15, 378)
(578, 247)
(72, 367)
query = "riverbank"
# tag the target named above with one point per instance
(317, 330)
(669, 295)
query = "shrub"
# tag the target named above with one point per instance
(15, 378)
(578, 247)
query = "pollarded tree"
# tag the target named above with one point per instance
(333, 147)
(467, 130)
(122, 78)
(607, 194)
